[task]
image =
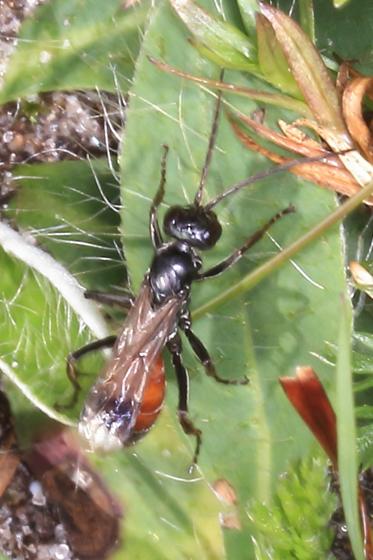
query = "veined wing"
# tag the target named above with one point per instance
(113, 404)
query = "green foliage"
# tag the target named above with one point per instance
(78, 227)
(75, 45)
(79, 223)
(294, 525)
(249, 433)
(221, 42)
(266, 332)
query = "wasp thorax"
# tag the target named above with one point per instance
(194, 224)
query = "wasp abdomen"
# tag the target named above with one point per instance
(152, 402)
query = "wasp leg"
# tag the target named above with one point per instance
(174, 346)
(238, 253)
(155, 232)
(122, 300)
(72, 372)
(204, 357)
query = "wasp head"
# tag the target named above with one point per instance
(194, 224)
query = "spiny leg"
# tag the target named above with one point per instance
(175, 348)
(204, 357)
(125, 301)
(155, 232)
(238, 253)
(72, 372)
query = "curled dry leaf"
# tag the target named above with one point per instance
(362, 278)
(318, 90)
(352, 103)
(230, 520)
(330, 174)
(224, 491)
(87, 510)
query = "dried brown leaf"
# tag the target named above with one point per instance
(307, 394)
(352, 105)
(325, 175)
(308, 70)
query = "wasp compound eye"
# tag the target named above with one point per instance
(199, 227)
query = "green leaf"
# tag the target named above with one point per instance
(272, 61)
(168, 514)
(308, 69)
(340, 3)
(248, 434)
(76, 225)
(346, 431)
(231, 47)
(79, 219)
(75, 45)
(249, 9)
(37, 331)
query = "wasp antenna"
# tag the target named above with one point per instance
(267, 173)
(161, 188)
(155, 232)
(210, 149)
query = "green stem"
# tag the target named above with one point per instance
(253, 278)
(276, 99)
(346, 432)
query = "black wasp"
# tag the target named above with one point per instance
(128, 396)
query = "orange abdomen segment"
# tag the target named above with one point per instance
(153, 397)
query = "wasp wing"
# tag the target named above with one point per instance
(113, 404)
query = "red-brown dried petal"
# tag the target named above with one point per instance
(307, 394)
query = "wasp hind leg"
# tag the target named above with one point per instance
(72, 371)
(174, 346)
